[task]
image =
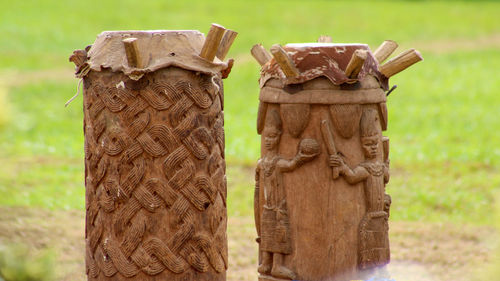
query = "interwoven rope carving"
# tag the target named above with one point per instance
(155, 174)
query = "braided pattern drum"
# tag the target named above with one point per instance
(155, 176)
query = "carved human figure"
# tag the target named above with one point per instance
(273, 226)
(374, 172)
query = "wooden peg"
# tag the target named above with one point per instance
(325, 39)
(260, 54)
(212, 42)
(131, 50)
(385, 50)
(405, 53)
(400, 63)
(355, 64)
(284, 61)
(225, 43)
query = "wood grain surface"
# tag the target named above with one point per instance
(154, 177)
(337, 226)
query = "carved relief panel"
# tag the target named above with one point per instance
(321, 116)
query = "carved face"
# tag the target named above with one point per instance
(387, 202)
(370, 146)
(271, 138)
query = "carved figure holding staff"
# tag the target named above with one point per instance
(373, 230)
(272, 223)
(335, 212)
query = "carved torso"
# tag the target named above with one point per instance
(374, 186)
(273, 189)
(275, 222)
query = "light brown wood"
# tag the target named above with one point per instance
(327, 132)
(274, 232)
(270, 278)
(297, 116)
(320, 206)
(355, 64)
(225, 43)
(385, 145)
(325, 39)
(363, 96)
(212, 42)
(134, 58)
(385, 50)
(345, 118)
(400, 63)
(333, 198)
(383, 115)
(156, 192)
(155, 183)
(321, 178)
(285, 62)
(261, 116)
(260, 54)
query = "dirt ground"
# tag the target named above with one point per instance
(420, 251)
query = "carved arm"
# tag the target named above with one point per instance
(308, 150)
(355, 175)
(289, 165)
(352, 176)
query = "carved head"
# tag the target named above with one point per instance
(272, 130)
(387, 203)
(370, 133)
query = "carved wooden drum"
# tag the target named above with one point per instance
(320, 204)
(154, 157)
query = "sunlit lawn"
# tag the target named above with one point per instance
(443, 116)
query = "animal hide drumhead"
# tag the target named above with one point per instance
(346, 118)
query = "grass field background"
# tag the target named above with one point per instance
(443, 118)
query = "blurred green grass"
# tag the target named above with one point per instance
(19, 263)
(41, 34)
(444, 146)
(5, 113)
